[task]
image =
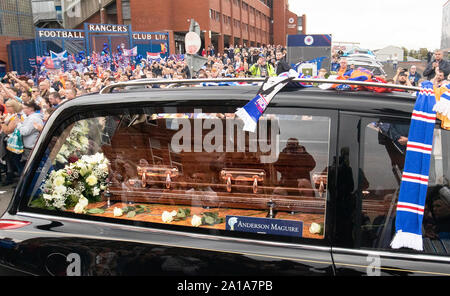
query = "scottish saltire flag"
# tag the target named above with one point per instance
(414, 184)
(62, 56)
(253, 110)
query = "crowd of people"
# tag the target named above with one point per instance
(27, 102)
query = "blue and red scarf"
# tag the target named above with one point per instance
(414, 184)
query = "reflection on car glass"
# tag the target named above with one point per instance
(194, 169)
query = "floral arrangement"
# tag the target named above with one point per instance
(76, 185)
(76, 143)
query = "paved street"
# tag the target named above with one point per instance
(5, 197)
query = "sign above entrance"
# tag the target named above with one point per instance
(150, 36)
(108, 28)
(64, 34)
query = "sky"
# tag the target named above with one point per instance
(375, 24)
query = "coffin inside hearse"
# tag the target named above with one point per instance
(177, 169)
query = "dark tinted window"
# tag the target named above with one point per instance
(382, 159)
(191, 170)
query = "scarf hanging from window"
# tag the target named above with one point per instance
(414, 184)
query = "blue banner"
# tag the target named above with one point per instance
(264, 225)
(309, 40)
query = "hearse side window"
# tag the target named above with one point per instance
(191, 171)
(382, 160)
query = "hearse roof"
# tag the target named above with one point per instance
(395, 103)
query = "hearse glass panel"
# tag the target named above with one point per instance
(189, 170)
(382, 162)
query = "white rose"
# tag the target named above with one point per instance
(91, 180)
(96, 191)
(103, 167)
(61, 189)
(59, 181)
(79, 208)
(173, 213)
(167, 217)
(83, 201)
(48, 196)
(117, 212)
(315, 228)
(98, 157)
(196, 221)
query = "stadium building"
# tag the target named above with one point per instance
(222, 22)
(16, 23)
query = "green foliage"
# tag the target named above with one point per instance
(211, 218)
(95, 211)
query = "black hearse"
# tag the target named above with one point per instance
(164, 181)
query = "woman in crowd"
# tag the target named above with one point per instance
(8, 124)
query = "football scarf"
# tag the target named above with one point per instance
(414, 184)
(253, 110)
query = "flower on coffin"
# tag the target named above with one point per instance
(315, 228)
(196, 221)
(82, 203)
(117, 212)
(167, 217)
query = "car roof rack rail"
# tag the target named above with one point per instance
(109, 88)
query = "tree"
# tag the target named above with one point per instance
(405, 53)
(423, 52)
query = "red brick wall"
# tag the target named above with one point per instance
(291, 29)
(175, 15)
(280, 22)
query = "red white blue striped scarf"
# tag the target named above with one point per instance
(413, 188)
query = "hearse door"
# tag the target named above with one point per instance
(371, 158)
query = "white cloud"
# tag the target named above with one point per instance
(375, 24)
